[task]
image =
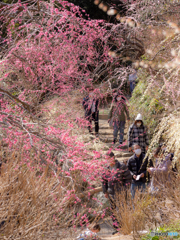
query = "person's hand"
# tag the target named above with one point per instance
(134, 176)
(106, 195)
(146, 148)
(149, 169)
(108, 120)
(129, 149)
(142, 175)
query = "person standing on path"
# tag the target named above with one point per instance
(137, 134)
(117, 117)
(162, 172)
(91, 106)
(115, 179)
(132, 78)
(137, 165)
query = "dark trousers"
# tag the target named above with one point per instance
(119, 126)
(137, 186)
(93, 117)
(132, 86)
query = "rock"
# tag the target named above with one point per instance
(105, 148)
(123, 147)
(106, 133)
(127, 154)
(103, 116)
(101, 199)
(106, 140)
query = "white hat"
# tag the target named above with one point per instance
(139, 117)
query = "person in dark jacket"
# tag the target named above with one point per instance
(137, 165)
(91, 105)
(115, 179)
(117, 115)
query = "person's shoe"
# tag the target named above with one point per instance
(115, 232)
(114, 141)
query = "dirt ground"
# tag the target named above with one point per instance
(106, 233)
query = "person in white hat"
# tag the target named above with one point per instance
(137, 134)
(139, 117)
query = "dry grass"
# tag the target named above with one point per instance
(168, 131)
(147, 211)
(30, 204)
(35, 204)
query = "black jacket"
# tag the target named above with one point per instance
(86, 106)
(137, 166)
(116, 180)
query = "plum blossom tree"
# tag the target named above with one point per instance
(50, 52)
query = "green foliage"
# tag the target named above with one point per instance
(144, 57)
(148, 237)
(173, 227)
(146, 102)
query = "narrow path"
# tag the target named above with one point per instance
(121, 154)
(106, 136)
(106, 233)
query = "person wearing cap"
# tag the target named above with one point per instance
(91, 106)
(137, 134)
(116, 179)
(117, 115)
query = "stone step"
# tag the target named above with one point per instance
(106, 133)
(106, 232)
(109, 138)
(104, 126)
(118, 237)
(127, 154)
(103, 116)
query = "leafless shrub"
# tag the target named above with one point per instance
(148, 211)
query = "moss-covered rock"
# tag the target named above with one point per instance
(146, 101)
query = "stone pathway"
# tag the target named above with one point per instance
(121, 154)
(106, 136)
(106, 233)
